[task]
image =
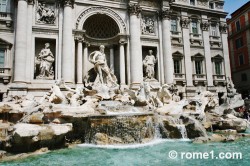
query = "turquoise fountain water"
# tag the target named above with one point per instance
(155, 154)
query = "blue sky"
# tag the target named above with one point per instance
(232, 5)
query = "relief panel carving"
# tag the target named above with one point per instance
(45, 12)
(148, 25)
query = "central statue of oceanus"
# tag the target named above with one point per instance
(104, 75)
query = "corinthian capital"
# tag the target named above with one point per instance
(134, 9)
(166, 13)
(185, 22)
(223, 27)
(31, 2)
(68, 3)
(205, 25)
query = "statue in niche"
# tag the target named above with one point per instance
(44, 60)
(149, 66)
(45, 14)
(147, 25)
(104, 74)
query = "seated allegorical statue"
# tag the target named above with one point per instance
(104, 74)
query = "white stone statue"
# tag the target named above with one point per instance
(55, 94)
(104, 74)
(45, 59)
(77, 98)
(149, 65)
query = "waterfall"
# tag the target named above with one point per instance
(182, 130)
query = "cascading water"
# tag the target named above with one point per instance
(183, 131)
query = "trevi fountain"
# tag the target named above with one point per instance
(104, 123)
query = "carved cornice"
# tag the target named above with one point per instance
(223, 27)
(166, 14)
(185, 22)
(205, 25)
(134, 9)
(69, 3)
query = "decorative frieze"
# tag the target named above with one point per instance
(203, 3)
(134, 9)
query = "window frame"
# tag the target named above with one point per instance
(177, 68)
(243, 77)
(241, 59)
(2, 52)
(211, 3)
(237, 25)
(192, 2)
(172, 25)
(239, 42)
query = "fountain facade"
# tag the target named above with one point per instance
(117, 103)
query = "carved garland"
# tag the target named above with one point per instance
(100, 9)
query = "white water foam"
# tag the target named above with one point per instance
(133, 146)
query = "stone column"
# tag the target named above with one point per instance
(223, 30)
(166, 45)
(29, 40)
(79, 41)
(209, 66)
(21, 42)
(122, 64)
(67, 59)
(135, 46)
(85, 59)
(187, 55)
(111, 58)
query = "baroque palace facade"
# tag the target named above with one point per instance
(46, 40)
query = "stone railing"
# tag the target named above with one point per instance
(219, 79)
(6, 17)
(199, 77)
(179, 77)
(5, 74)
